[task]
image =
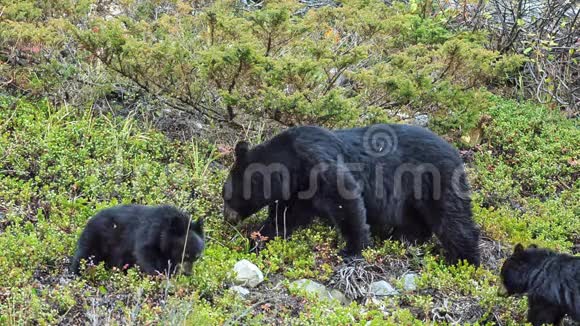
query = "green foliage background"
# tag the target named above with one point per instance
(63, 157)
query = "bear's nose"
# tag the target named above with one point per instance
(231, 215)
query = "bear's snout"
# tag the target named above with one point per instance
(230, 215)
(185, 268)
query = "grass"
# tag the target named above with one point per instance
(59, 165)
(526, 172)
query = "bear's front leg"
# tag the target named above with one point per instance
(148, 260)
(283, 219)
(340, 200)
(350, 218)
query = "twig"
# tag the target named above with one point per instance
(245, 312)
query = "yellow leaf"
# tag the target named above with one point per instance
(329, 33)
(473, 138)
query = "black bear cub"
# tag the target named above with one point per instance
(551, 281)
(155, 238)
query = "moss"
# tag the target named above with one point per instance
(60, 165)
(354, 64)
(526, 176)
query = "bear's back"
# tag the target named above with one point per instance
(388, 144)
(403, 144)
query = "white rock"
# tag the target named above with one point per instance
(320, 290)
(242, 291)
(382, 289)
(410, 282)
(421, 120)
(114, 11)
(248, 274)
(403, 115)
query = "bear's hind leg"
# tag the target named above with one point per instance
(460, 239)
(452, 223)
(541, 312)
(413, 228)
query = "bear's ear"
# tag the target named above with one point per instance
(518, 248)
(241, 150)
(533, 246)
(198, 226)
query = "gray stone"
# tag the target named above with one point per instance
(311, 287)
(421, 120)
(382, 289)
(240, 290)
(410, 282)
(335, 294)
(320, 290)
(247, 274)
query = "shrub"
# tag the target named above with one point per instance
(338, 66)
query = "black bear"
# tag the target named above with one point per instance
(153, 237)
(389, 180)
(551, 281)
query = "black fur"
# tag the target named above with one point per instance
(551, 281)
(385, 212)
(151, 237)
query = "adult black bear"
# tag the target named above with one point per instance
(152, 237)
(391, 180)
(551, 281)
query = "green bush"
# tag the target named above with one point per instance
(59, 165)
(526, 174)
(532, 147)
(357, 63)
